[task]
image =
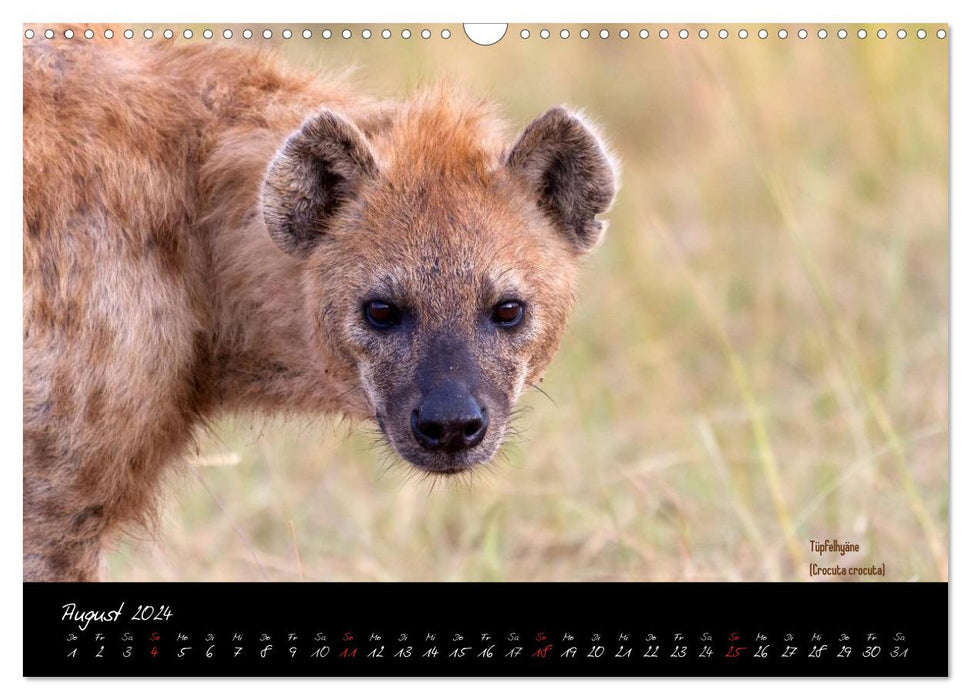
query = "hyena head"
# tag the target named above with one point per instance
(439, 260)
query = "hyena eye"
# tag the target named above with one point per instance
(508, 313)
(382, 314)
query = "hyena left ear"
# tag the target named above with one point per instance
(570, 172)
(318, 170)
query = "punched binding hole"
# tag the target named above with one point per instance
(485, 34)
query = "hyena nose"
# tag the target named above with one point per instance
(449, 418)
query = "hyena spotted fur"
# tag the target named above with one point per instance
(208, 230)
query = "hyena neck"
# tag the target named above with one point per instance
(261, 354)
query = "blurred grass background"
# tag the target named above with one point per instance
(758, 356)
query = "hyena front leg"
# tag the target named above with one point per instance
(79, 488)
(62, 538)
(69, 494)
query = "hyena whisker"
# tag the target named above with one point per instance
(485, 474)
(344, 394)
(542, 391)
(387, 458)
(519, 412)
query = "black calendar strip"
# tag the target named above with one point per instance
(477, 629)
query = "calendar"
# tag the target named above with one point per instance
(527, 349)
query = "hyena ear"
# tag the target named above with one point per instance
(319, 168)
(570, 172)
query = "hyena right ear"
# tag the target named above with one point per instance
(569, 171)
(319, 168)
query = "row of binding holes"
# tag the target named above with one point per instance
(724, 33)
(246, 34)
(525, 34)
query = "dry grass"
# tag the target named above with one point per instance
(758, 357)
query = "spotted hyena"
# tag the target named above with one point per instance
(208, 230)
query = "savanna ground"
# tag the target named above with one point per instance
(758, 357)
